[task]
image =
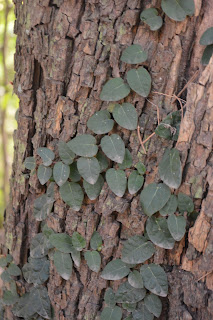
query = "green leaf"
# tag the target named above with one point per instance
(116, 180)
(76, 257)
(141, 168)
(65, 153)
(47, 231)
(3, 262)
(100, 122)
(36, 271)
(113, 147)
(127, 162)
(6, 277)
(96, 241)
(135, 182)
(185, 203)
(109, 298)
(51, 190)
(127, 294)
(93, 190)
(150, 17)
(30, 163)
(177, 226)
(154, 197)
(126, 116)
(62, 242)
(40, 299)
(44, 174)
(42, 207)
(111, 313)
(47, 155)
(25, 306)
(178, 9)
(40, 245)
(89, 169)
(9, 258)
(129, 306)
(207, 54)
(207, 37)
(93, 259)
(103, 161)
(153, 304)
(14, 270)
(115, 270)
(170, 207)
(84, 145)
(63, 264)
(155, 279)
(128, 318)
(135, 279)
(170, 168)
(9, 298)
(169, 127)
(79, 243)
(134, 54)
(114, 90)
(142, 313)
(61, 173)
(140, 81)
(158, 233)
(72, 194)
(74, 174)
(137, 250)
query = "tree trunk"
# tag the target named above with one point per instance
(66, 50)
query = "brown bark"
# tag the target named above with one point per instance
(65, 52)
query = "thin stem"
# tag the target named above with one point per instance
(140, 140)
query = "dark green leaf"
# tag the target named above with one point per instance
(116, 180)
(135, 182)
(9, 298)
(30, 163)
(44, 174)
(150, 17)
(3, 262)
(25, 307)
(141, 168)
(109, 298)
(111, 313)
(207, 54)
(74, 174)
(89, 169)
(178, 9)
(177, 226)
(62, 242)
(127, 162)
(170, 168)
(140, 81)
(93, 190)
(36, 271)
(155, 279)
(142, 313)
(96, 241)
(40, 245)
(169, 127)
(153, 304)
(113, 147)
(115, 270)
(61, 173)
(6, 277)
(65, 153)
(103, 161)
(84, 145)
(185, 203)
(170, 207)
(76, 256)
(51, 190)
(158, 233)
(207, 37)
(14, 270)
(134, 54)
(47, 231)
(114, 90)
(72, 194)
(126, 116)
(40, 299)
(129, 306)
(129, 318)
(63, 264)
(47, 155)
(100, 122)
(79, 243)
(93, 259)
(127, 294)
(137, 250)
(42, 207)
(135, 279)
(154, 197)
(9, 258)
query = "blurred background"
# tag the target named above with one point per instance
(8, 100)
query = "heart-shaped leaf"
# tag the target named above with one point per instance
(139, 80)
(9, 298)
(142, 313)
(93, 190)
(115, 270)
(93, 259)
(74, 174)
(150, 17)
(114, 90)
(36, 271)
(14, 270)
(170, 207)
(135, 182)
(63, 264)
(135, 279)
(178, 9)
(207, 54)
(89, 169)
(65, 153)
(109, 313)
(47, 155)
(100, 122)
(84, 145)
(103, 161)
(61, 173)
(127, 162)
(134, 54)
(113, 147)
(72, 194)
(62, 242)
(126, 116)
(185, 203)
(207, 37)
(177, 226)
(30, 163)
(109, 298)
(137, 250)
(155, 279)
(96, 241)
(44, 174)
(158, 233)
(79, 243)
(116, 180)
(153, 304)
(127, 294)
(170, 168)
(154, 197)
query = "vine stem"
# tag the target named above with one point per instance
(204, 275)
(139, 137)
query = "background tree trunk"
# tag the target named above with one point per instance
(66, 50)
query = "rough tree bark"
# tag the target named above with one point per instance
(66, 50)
